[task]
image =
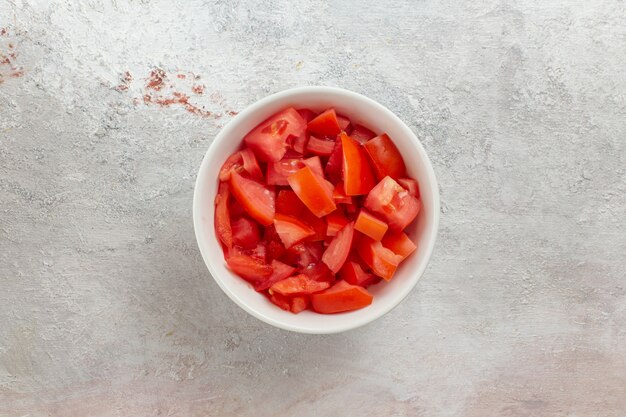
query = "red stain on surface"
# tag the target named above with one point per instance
(181, 76)
(9, 67)
(125, 81)
(198, 89)
(4, 32)
(156, 79)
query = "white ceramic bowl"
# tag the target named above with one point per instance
(359, 109)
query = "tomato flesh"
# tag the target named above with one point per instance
(223, 228)
(399, 243)
(245, 233)
(381, 260)
(298, 285)
(249, 268)
(335, 221)
(251, 165)
(341, 297)
(352, 273)
(357, 174)
(291, 230)
(337, 252)
(269, 139)
(385, 157)
(320, 146)
(280, 271)
(361, 134)
(393, 203)
(370, 225)
(410, 185)
(234, 163)
(325, 124)
(312, 191)
(256, 199)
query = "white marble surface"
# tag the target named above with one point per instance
(106, 308)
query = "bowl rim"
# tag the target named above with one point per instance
(225, 131)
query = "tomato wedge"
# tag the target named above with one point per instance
(320, 146)
(249, 268)
(393, 203)
(223, 228)
(288, 202)
(315, 163)
(361, 134)
(335, 222)
(341, 297)
(275, 247)
(269, 139)
(318, 272)
(234, 163)
(298, 285)
(352, 273)
(385, 157)
(251, 165)
(357, 174)
(299, 303)
(337, 252)
(280, 271)
(256, 199)
(344, 123)
(291, 230)
(307, 114)
(334, 166)
(370, 225)
(304, 254)
(277, 172)
(399, 243)
(326, 124)
(281, 301)
(245, 233)
(313, 191)
(381, 260)
(339, 195)
(410, 185)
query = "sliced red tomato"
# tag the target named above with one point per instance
(256, 199)
(326, 124)
(277, 172)
(234, 163)
(299, 144)
(385, 157)
(337, 252)
(318, 272)
(321, 147)
(269, 139)
(381, 260)
(280, 271)
(275, 247)
(334, 166)
(304, 254)
(335, 221)
(291, 230)
(358, 177)
(223, 228)
(245, 233)
(307, 114)
(370, 225)
(316, 223)
(281, 301)
(258, 252)
(399, 243)
(393, 203)
(315, 163)
(344, 123)
(339, 195)
(298, 285)
(313, 191)
(249, 268)
(288, 202)
(352, 273)
(299, 303)
(361, 134)
(410, 185)
(341, 297)
(251, 165)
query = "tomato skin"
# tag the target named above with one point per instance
(307, 114)
(291, 230)
(335, 221)
(340, 196)
(399, 243)
(341, 297)
(245, 233)
(358, 177)
(352, 273)
(281, 301)
(318, 272)
(269, 139)
(256, 199)
(277, 172)
(337, 252)
(385, 157)
(315, 163)
(334, 166)
(223, 228)
(299, 303)
(275, 247)
(313, 191)
(304, 254)
(370, 225)
(249, 268)
(381, 260)
(280, 271)
(410, 185)
(298, 285)
(320, 147)
(251, 165)
(234, 163)
(361, 134)
(393, 203)
(325, 124)
(288, 203)
(344, 123)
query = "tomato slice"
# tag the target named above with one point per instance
(251, 165)
(344, 123)
(313, 191)
(393, 203)
(288, 203)
(281, 301)
(318, 272)
(249, 268)
(358, 177)
(234, 163)
(316, 223)
(385, 157)
(370, 225)
(298, 144)
(334, 166)
(223, 228)
(410, 185)
(339, 195)
(335, 222)
(352, 273)
(299, 303)
(304, 254)
(269, 139)
(361, 134)
(381, 260)
(245, 233)
(315, 163)
(321, 147)
(399, 243)
(326, 124)
(280, 271)
(341, 297)
(337, 252)
(255, 198)
(277, 172)
(291, 230)
(307, 114)
(298, 285)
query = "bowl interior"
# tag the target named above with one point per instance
(360, 110)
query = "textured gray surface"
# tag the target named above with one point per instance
(106, 308)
